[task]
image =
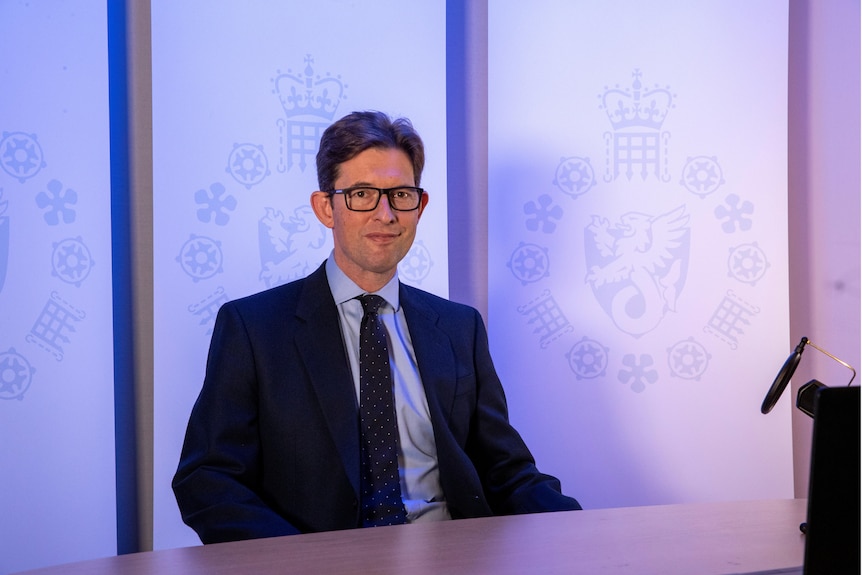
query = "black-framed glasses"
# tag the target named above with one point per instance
(366, 198)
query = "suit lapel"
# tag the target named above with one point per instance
(322, 348)
(434, 354)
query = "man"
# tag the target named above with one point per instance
(276, 442)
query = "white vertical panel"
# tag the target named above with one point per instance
(638, 243)
(231, 186)
(57, 484)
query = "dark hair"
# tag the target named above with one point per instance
(359, 131)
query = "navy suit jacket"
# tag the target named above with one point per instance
(272, 445)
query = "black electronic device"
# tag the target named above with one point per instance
(832, 526)
(832, 531)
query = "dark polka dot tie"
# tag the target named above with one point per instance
(380, 486)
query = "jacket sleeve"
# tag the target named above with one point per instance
(217, 483)
(510, 479)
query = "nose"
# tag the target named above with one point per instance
(384, 209)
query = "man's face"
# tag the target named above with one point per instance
(369, 245)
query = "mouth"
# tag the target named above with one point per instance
(381, 237)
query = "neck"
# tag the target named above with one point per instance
(368, 281)
(371, 283)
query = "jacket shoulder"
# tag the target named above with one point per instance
(284, 300)
(430, 303)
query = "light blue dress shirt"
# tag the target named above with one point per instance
(417, 456)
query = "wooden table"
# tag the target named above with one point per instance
(702, 539)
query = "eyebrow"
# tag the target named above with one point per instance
(370, 185)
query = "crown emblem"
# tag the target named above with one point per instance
(637, 107)
(308, 94)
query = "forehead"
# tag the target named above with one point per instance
(380, 167)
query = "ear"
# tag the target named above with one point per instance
(422, 203)
(321, 203)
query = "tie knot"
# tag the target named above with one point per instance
(371, 303)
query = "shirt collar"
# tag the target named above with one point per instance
(344, 289)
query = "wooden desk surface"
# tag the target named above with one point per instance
(702, 539)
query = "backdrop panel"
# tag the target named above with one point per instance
(638, 302)
(241, 93)
(57, 486)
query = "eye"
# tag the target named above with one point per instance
(359, 193)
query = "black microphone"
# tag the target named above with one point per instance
(783, 378)
(807, 393)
